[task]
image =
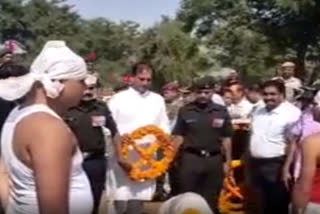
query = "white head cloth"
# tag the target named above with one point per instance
(55, 62)
(187, 201)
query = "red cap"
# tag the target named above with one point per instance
(172, 86)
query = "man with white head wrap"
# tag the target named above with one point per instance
(187, 203)
(39, 152)
(55, 62)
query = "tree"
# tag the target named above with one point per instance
(287, 28)
(291, 24)
(34, 22)
(172, 52)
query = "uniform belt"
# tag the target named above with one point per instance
(267, 160)
(93, 155)
(201, 152)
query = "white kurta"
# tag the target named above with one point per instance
(132, 110)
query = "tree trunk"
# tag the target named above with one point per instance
(300, 63)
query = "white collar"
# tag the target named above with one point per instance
(243, 102)
(279, 109)
(137, 93)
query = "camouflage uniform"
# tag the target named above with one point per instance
(173, 108)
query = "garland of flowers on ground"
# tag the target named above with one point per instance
(231, 199)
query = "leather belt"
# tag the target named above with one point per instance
(92, 155)
(201, 152)
(267, 160)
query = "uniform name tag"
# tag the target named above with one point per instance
(217, 123)
(97, 121)
(190, 121)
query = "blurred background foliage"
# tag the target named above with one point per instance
(250, 36)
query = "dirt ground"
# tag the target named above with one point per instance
(149, 207)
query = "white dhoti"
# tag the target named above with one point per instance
(120, 187)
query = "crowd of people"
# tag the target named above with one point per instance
(61, 142)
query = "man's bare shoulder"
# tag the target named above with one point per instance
(42, 125)
(312, 143)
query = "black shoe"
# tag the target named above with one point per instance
(160, 196)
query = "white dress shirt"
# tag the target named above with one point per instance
(268, 137)
(132, 110)
(240, 110)
(291, 84)
(217, 99)
(317, 98)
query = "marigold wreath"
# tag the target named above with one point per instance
(231, 199)
(147, 155)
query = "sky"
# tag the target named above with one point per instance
(144, 12)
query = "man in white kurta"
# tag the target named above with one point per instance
(132, 109)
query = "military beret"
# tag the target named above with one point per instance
(172, 86)
(206, 82)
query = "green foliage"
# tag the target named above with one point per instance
(171, 51)
(251, 36)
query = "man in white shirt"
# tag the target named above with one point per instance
(291, 82)
(131, 109)
(240, 107)
(268, 146)
(239, 110)
(254, 95)
(217, 99)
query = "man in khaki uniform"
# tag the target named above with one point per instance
(291, 82)
(173, 99)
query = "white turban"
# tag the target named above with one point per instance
(55, 62)
(185, 203)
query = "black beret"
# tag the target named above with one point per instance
(206, 82)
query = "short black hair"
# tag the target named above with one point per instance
(278, 84)
(255, 88)
(140, 67)
(206, 82)
(12, 70)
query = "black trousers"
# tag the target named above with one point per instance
(265, 177)
(201, 175)
(95, 169)
(240, 141)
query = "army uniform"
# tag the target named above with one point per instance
(199, 164)
(86, 121)
(173, 109)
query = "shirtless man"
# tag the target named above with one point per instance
(306, 192)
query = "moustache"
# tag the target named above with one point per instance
(269, 101)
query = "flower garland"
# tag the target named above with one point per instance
(147, 155)
(231, 200)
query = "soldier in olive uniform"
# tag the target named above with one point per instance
(205, 130)
(87, 121)
(174, 102)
